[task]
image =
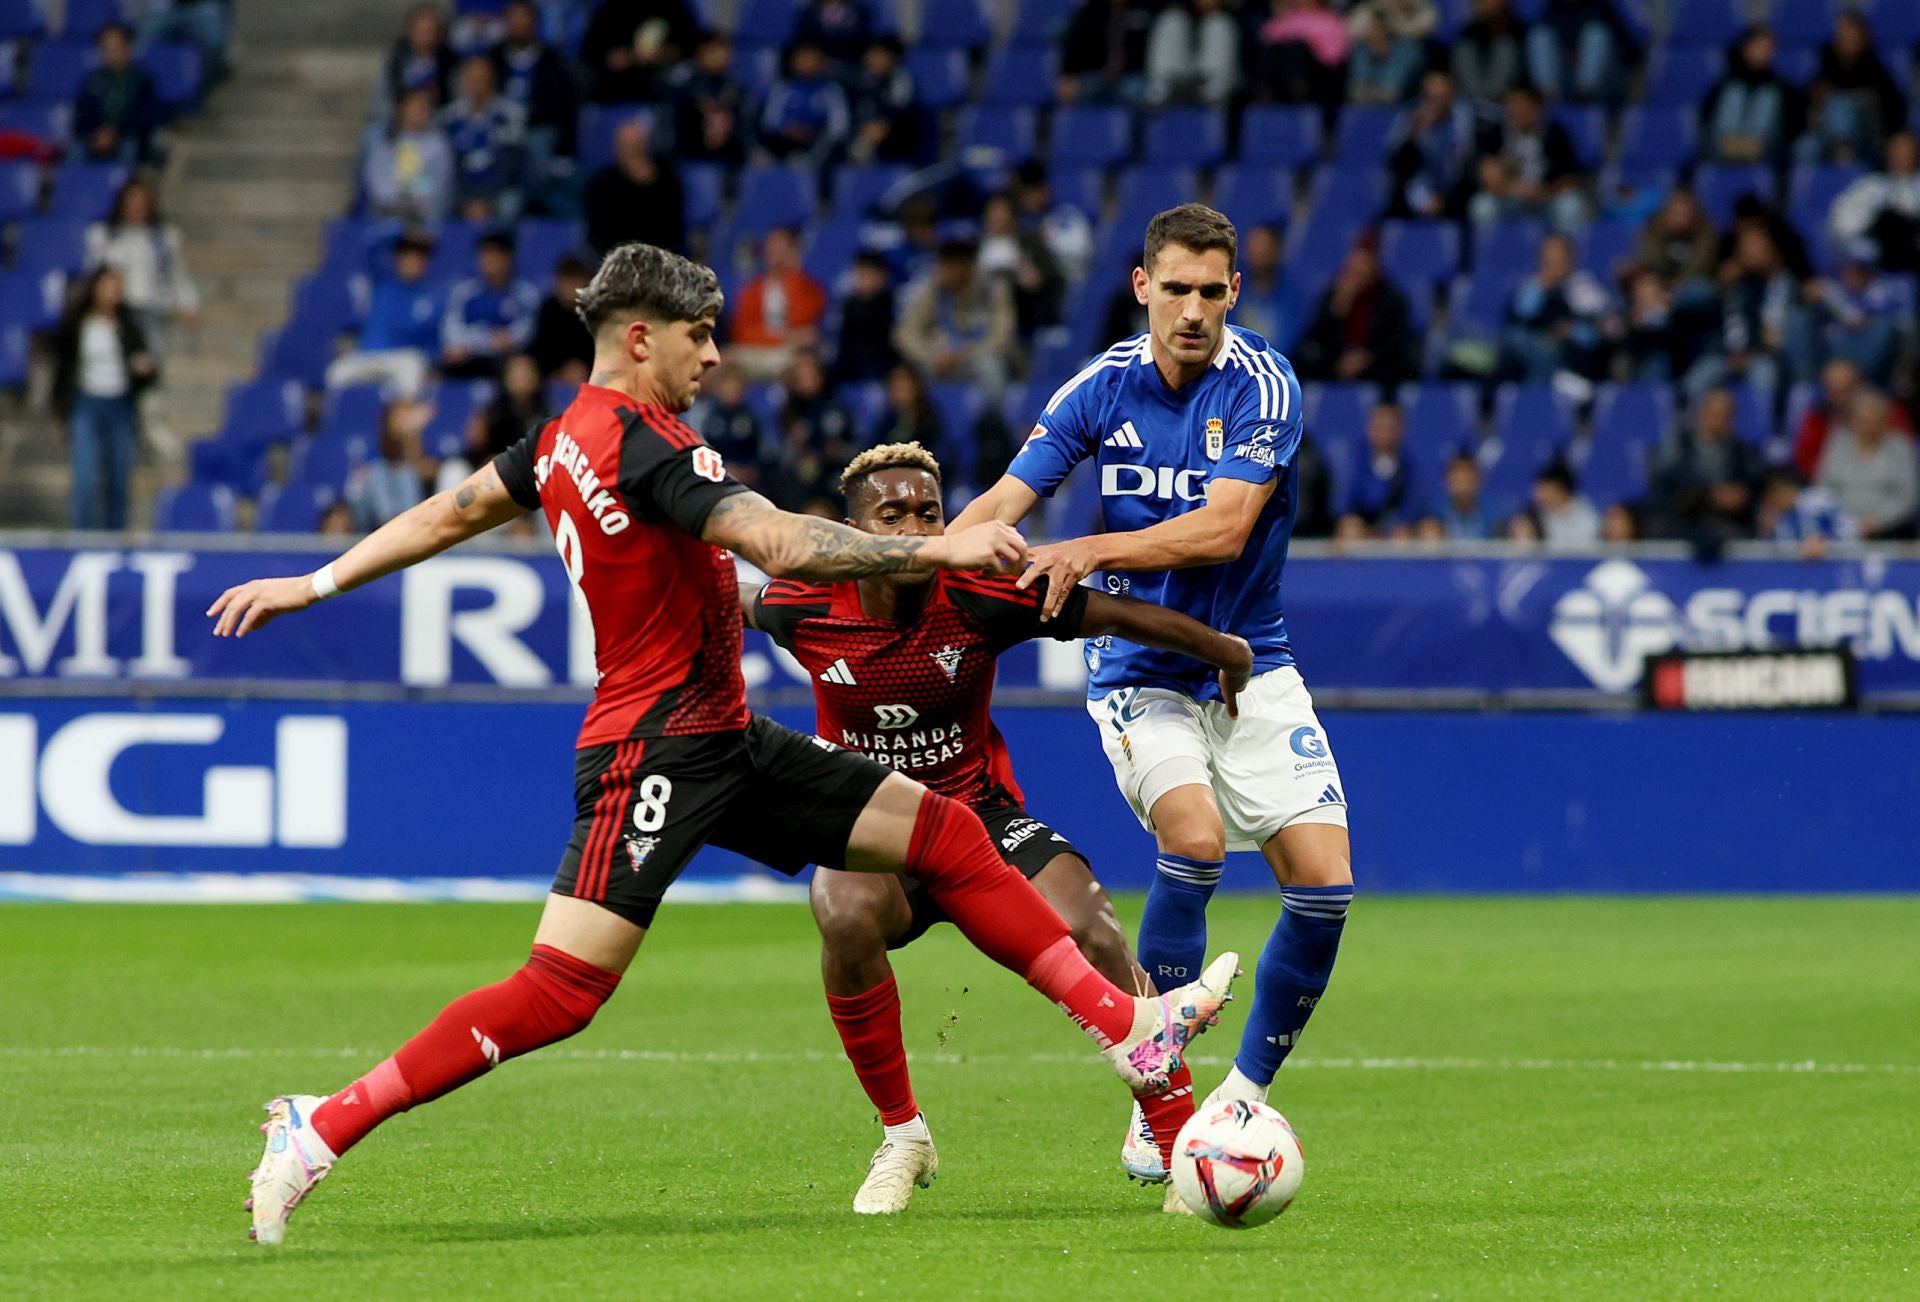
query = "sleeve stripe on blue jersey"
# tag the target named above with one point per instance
(1272, 367)
(1126, 354)
(1249, 361)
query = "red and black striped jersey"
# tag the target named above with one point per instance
(626, 488)
(915, 696)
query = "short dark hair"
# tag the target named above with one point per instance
(1558, 472)
(645, 281)
(1192, 226)
(500, 240)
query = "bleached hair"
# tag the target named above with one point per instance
(887, 456)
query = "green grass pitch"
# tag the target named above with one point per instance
(1499, 1098)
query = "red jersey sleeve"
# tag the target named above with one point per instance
(1012, 616)
(780, 607)
(667, 471)
(515, 468)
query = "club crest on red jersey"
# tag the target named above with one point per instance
(948, 658)
(639, 848)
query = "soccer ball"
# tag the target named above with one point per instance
(1237, 1164)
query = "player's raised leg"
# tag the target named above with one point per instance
(859, 916)
(579, 952)
(905, 827)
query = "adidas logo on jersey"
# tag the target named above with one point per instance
(1124, 437)
(837, 672)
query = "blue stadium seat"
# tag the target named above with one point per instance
(177, 76)
(1079, 187)
(1615, 472)
(328, 463)
(1338, 412)
(560, 395)
(51, 244)
(1722, 185)
(1420, 253)
(1658, 136)
(1797, 64)
(50, 123)
(1509, 245)
(1606, 244)
(867, 401)
(1145, 191)
(1479, 303)
(1706, 22)
(954, 25)
(1091, 135)
(774, 195)
(454, 403)
(85, 191)
(756, 68)
(1531, 411)
(598, 123)
(19, 190)
(1587, 126)
(1803, 22)
(13, 356)
(1185, 137)
(829, 251)
(1811, 192)
(705, 186)
(1440, 418)
(21, 20)
(1005, 127)
(297, 355)
(1896, 23)
(1361, 138)
(1022, 75)
(1629, 416)
(1280, 135)
(1341, 203)
(1254, 194)
(1508, 466)
(32, 298)
(1681, 75)
(766, 23)
(85, 18)
(939, 76)
(352, 410)
(1040, 22)
(295, 506)
(455, 247)
(541, 242)
(326, 304)
(262, 411)
(57, 70)
(1753, 414)
(858, 186)
(194, 508)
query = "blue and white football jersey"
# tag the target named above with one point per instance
(1156, 450)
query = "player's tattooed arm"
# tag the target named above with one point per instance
(790, 546)
(1169, 630)
(477, 505)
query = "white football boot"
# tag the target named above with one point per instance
(1172, 1204)
(1140, 1152)
(1163, 1026)
(295, 1161)
(906, 1158)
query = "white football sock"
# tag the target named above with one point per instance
(1238, 1086)
(914, 1131)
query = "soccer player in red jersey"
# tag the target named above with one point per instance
(902, 667)
(643, 515)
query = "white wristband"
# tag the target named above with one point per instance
(323, 584)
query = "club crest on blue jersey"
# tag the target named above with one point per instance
(1216, 437)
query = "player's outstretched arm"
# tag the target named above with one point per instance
(749, 593)
(1210, 535)
(790, 546)
(479, 504)
(1008, 501)
(1169, 630)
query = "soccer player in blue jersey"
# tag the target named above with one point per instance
(1192, 429)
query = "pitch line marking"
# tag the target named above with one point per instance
(1701, 1066)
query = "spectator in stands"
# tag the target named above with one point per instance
(1389, 49)
(1807, 518)
(910, 416)
(490, 316)
(1022, 258)
(397, 479)
(1704, 478)
(1591, 37)
(409, 168)
(957, 324)
(1299, 54)
(117, 111)
(1567, 520)
(865, 350)
(1383, 501)
(520, 405)
(1679, 245)
(710, 105)
(1463, 517)
(1620, 523)
(884, 103)
(630, 45)
(1884, 207)
(1068, 233)
(533, 75)
(1759, 313)
(810, 406)
(1362, 327)
(777, 312)
(1839, 384)
(1489, 58)
(842, 29)
(1657, 343)
(1103, 53)
(1751, 113)
(1433, 152)
(561, 347)
(1854, 102)
(1193, 54)
(1871, 470)
(1858, 314)
(806, 117)
(101, 366)
(1557, 320)
(636, 197)
(422, 58)
(336, 520)
(1528, 168)
(730, 426)
(487, 133)
(1268, 304)
(1313, 491)
(199, 23)
(401, 334)
(147, 252)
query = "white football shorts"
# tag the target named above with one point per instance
(1269, 768)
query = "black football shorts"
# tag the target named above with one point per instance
(1023, 841)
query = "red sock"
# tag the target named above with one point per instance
(1166, 1113)
(1007, 919)
(553, 996)
(869, 1026)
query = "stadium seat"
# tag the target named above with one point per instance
(1361, 138)
(940, 76)
(51, 244)
(954, 25)
(858, 186)
(326, 304)
(1254, 194)
(1420, 253)
(85, 192)
(1615, 472)
(1040, 22)
(705, 186)
(774, 195)
(85, 18)
(1896, 23)
(1440, 418)
(829, 250)
(177, 76)
(1811, 192)
(1587, 127)
(1681, 75)
(1722, 185)
(47, 123)
(1479, 303)
(1004, 127)
(455, 246)
(1632, 413)
(756, 68)
(56, 71)
(1508, 465)
(1146, 191)
(541, 242)
(352, 410)
(13, 355)
(297, 355)
(766, 23)
(1090, 135)
(1021, 75)
(454, 403)
(1531, 411)
(1707, 22)
(262, 411)
(1338, 412)
(295, 506)
(19, 190)
(329, 463)
(1607, 244)
(1280, 135)
(598, 125)
(1797, 64)
(1753, 414)
(1185, 137)
(1658, 135)
(32, 298)
(868, 403)
(1341, 203)
(1802, 22)
(21, 20)
(1509, 246)
(194, 508)
(1079, 187)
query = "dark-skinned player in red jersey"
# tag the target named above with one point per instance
(902, 667)
(643, 515)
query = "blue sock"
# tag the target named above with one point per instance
(1173, 928)
(1292, 975)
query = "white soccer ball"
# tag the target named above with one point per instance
(1237, 1164)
